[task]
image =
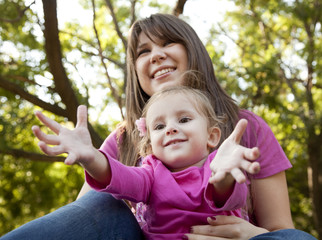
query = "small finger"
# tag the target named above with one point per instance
(217, 177)
(254, 168)
(47, 138)
(51, 124)
(81, 116)
(51, 151)
(222, 231)
(71, 159)
(201, 237)
(251, 154)
(224, 220)
(249, 167)
(238, 175)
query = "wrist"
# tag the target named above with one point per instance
(98, 167)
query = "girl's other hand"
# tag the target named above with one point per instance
(232, 158)
(225, 227)
(77, 142)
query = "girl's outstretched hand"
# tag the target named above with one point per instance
(77, 142)
(232, 158)
(225, 227)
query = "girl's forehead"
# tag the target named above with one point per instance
(170, 101)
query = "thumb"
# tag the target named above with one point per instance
(81, 116)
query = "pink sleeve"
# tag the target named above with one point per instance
(272, 159)
(131, 183)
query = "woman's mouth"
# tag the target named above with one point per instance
(163, 71)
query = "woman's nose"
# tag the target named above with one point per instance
(157, 55)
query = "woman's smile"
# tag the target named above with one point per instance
(160, 64)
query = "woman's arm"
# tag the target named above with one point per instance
(85, 188)
(271, 202)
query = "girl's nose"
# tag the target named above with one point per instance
(157, 55)
(171, 130)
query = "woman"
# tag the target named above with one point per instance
(160, 49)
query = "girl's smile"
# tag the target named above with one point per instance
(179, 134)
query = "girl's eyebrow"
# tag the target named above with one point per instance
(156, 119)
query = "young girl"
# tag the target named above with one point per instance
(160, 49)
(181, 130)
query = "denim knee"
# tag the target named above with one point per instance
(285, 234)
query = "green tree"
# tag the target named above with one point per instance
(47, 65)
(277, 62)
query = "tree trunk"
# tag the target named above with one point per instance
(54, 56)
(315, 178)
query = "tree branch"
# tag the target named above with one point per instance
(100, 50)
(21, 13)
(17, 153)
(16, 89)
(117, 63)
(117, 28)
(54, 57)
(178, 9)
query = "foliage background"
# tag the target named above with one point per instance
(265, 53)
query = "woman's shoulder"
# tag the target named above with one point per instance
(256, 124)
(259, 134)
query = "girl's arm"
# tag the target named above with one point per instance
(110, 146)
(76, 143)
(229, 163)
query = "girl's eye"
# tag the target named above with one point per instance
(184, 120)
(159, 126)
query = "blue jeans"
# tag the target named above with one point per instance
(93, 216)
(98, 216)
(285, 234)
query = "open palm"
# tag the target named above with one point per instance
(77, 142)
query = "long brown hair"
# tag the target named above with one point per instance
(170, 28)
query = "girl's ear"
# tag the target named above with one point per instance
(213, 137)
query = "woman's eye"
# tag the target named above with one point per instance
(142, 52)
(184, 120)
(167, 43)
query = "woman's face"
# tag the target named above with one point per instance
(159, 64)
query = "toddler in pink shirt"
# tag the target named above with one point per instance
(182, 180)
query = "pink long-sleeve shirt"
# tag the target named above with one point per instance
(175, 200)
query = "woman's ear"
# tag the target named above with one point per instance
(213, 137)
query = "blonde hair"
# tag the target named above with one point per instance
(197, 98)
(169, 28)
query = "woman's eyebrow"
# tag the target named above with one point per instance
(142, 45)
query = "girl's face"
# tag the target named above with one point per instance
(179, 134)
(159, 64)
